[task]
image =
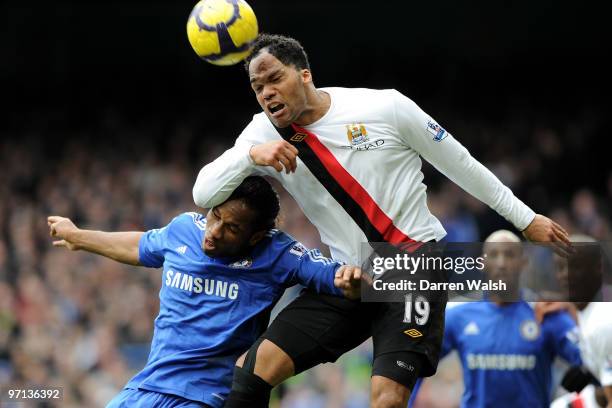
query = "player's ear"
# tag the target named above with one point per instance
(256, 237)
(306, 76)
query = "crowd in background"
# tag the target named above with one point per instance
(84, 323)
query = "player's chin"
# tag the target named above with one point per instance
(281, 121)
(213, 253)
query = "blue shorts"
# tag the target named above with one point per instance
(131, 398)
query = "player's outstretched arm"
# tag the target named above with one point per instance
(453, 160)
(119, 246)
(218, 179)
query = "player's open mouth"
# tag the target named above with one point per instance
(276, 109)
(208, 244)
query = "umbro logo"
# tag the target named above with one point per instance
(414, 333)
(471, 329)
(182, 249)
(298, 137)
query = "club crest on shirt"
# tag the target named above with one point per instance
(358, 138)
(530, 330)
(436, 130)
(242, 264)
(356, 134)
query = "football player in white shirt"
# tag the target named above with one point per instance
(581, 277)
(595, 326)
(351, 158)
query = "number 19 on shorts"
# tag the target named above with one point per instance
(421, 309)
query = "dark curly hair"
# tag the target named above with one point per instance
(286, 49)
(259, 195)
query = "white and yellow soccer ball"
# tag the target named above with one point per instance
(222, 31)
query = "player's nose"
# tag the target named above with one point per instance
(268, 92)
(215, 230)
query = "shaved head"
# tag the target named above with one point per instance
(503, 236)
(504, 260)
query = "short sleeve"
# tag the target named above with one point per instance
(151, 248)
(154, 243)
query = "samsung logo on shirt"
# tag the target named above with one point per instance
(501, 361)
(212, 287)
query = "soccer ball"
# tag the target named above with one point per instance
(222, 31)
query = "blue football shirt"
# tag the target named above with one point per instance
(505, 354)
(213, 309)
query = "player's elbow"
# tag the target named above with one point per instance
(202, 196)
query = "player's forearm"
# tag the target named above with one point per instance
(119, 246)
(218, 179)
(469, 174)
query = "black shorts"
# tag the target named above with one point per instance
(317, 328)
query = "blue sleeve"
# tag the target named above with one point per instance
(311, 269)
(563, 335)
(449, 342)
(153, 244)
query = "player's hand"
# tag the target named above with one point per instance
(543, 308)
(63, 228)
(277, 153)
(543, 229)
(348, 279)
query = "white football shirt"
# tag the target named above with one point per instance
(595, 326)
(359, 173)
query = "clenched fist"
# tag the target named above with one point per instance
(277, 153)
(63, 228)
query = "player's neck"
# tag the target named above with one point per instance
(318, 103)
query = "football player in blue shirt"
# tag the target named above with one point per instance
(505, 354)
(222, 274)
